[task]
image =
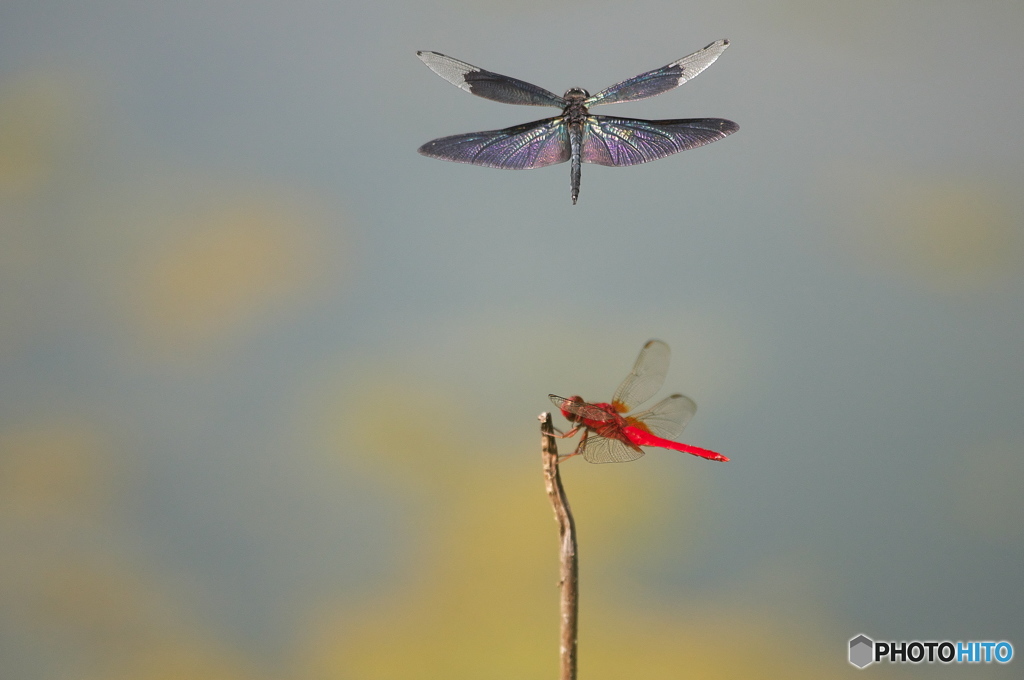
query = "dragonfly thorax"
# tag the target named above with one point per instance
(575, 110)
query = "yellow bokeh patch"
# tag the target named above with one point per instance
(951, 233)
(35, 125)
(225, 268)
(51, 470)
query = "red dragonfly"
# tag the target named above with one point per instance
(610, 436)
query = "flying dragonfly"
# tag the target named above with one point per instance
(576, 135)
(611, 436)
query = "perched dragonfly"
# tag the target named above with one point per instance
(576, 135)
(609, 436)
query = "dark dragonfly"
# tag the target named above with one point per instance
(576, 135)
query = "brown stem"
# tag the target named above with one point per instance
(568, 572)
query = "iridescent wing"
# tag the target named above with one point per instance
(531, 145)
(660, 79)
(629, 141)
(489, 85)
(598, 449)
(581, 408)
(668, 417)
(646, 378)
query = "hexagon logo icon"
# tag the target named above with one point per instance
(862, 651)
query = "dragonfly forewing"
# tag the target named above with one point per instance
(581, 408)
(661, 79)
(488, 84)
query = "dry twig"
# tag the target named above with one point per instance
(568, 571)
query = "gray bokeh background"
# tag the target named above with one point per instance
(225, 275)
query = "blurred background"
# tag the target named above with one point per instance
(271, 379)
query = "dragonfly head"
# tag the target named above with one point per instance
(575, 94)
(569, 415)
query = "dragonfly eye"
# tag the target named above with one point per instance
(575, 93)
(569, 415)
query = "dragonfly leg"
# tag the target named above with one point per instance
(558, 434)
(579, 447)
